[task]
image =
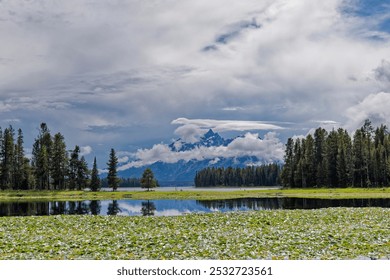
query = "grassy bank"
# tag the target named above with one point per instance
(195, 194)
(335, 233)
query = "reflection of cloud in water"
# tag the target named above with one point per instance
(169, 212)
(130, 209)
(181, 207)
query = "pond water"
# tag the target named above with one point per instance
(175, 207)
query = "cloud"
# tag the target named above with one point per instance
(232, 31)
(382, 74)
(232, 108)
(269, 149)
(191, 129)
(374, 107)
(115, 73)
(123, 159)
(226, 125)
(85, 150)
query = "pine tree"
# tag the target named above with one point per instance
(7, 155)
(367, 131)
(147, 180)
(73, 168)
(82, 174)
(41, 157)
(20, 174)
(113, 181)
(331, 156)
(59, 162)
(344, 164)
(95, 180)
(359, 159)
(320, 156)
(310, 164)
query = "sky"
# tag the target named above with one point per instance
(134, 75)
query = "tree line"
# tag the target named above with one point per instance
(264, 175)
(51, 167)
(123, 182)
(335, 159)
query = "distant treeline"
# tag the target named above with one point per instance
(123, 183)
(335, 159)
(264, 175)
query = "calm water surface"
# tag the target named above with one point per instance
(176, 207)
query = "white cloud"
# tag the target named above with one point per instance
(200, 125)
(123, 159)
(382, 74)
(117, 72)
(374, 107)
(85, 150)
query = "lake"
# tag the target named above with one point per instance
(175, 207)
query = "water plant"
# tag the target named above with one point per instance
(334, 233)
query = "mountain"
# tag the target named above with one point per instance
(183, 172)
(210, 139)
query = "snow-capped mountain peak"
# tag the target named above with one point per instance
(209, 139)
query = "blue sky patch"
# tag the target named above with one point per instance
(375, 9)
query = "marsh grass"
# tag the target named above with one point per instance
(333, 233)
(195, 194)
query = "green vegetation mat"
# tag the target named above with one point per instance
(333, 233)
(195, 194)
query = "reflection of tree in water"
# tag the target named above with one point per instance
(78, 208)
(113, 208)
(58, 208)
(242, 203)
(95, 207)
(148, 208)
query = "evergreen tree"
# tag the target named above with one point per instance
(74, 168)
(41, 157)
(309, 162)
(7, 155)
(113, 181)
(147, 180)
(344, 165)
(368, 131)
(288, 169)
(298, 164)
(320, 157)
(95, 180)
(359, 161)
(332, 153)
(21, 170)
(82, 174)
(59, 162)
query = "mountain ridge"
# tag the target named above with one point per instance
(183, 172)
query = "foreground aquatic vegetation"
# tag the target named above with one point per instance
(334, 233)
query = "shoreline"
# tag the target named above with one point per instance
(199, 194)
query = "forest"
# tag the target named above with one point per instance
(336, 159)
(52, 166)
(264, 175)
